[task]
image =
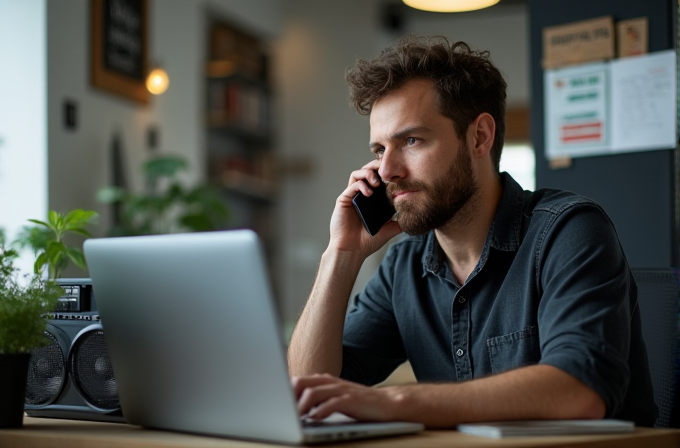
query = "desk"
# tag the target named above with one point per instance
(49, 433)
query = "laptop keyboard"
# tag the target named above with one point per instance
(309, 423)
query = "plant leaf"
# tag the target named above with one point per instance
(164, 166)
(56, 251)
(80, 231)
(78, 218)
(198, 222)
(40, 263)
(53, 218)
(42, 223)
(35, 237)
(76, 255)
(111, 195)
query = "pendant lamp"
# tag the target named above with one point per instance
(450, 5)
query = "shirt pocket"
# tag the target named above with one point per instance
(513, 350)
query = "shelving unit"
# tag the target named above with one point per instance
(239, 129)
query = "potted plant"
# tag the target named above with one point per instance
(46, 239)
(23, 306)
(165, 205)
(25, 302)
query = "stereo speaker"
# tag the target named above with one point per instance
(71, 377)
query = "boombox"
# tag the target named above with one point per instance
(71, 377)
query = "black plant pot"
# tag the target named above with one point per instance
(13, 377)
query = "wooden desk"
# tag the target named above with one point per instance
(49, 433)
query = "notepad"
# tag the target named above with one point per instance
(525, 428)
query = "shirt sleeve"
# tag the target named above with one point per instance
(585, 310)
(372, 345)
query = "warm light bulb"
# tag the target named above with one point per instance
(450, 5)
(157, 82)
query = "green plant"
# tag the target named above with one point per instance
(23, 305)
(47, 240)
(165, 205)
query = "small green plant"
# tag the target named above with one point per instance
(165, 205)
(47, 240)
(23, 305)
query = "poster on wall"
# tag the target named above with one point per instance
(611, 107)
(576, 111)
(578, 42)
(644, 102)
(119, 47)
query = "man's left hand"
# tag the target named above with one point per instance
(321, 395)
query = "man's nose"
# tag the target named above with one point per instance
(391, 166)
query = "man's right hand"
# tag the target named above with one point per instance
(347, 230)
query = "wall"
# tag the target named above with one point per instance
(23, 133)
(79, 161)
(503, 30)
(315, 122)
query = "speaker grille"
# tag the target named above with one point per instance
(91, 371)
(46, 373)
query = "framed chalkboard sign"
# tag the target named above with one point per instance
(119, 47)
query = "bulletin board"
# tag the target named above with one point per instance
(638, 189)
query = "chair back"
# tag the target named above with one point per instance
(659, 302)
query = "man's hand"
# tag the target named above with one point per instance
(321, 395)
(347, 231)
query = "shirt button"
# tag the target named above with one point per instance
(461, 299)
(459, 352)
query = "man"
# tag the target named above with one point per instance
(508, 304)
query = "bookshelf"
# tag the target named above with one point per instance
(239, 129)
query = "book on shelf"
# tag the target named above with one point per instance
(238, 104)
(526, 428)
(232, 51)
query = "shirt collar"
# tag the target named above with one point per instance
(506, 227)
(504, 233)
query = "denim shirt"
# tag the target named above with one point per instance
(552, 286)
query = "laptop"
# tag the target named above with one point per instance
(194, 339)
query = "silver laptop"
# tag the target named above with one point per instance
(195, 342)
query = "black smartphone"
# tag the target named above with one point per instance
(375, 210)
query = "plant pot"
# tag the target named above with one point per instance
(13, 377)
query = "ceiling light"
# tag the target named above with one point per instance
(450, 5)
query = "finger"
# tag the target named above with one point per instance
(352, 189)
(368, 174)
(372, 165)
(300, 383)
(330, 406)
(354, 406)
(314, 396)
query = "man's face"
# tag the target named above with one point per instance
(429, 169)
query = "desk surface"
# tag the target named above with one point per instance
(41, 433)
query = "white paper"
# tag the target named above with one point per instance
(611, 107)
(576, 112)
(644, 105)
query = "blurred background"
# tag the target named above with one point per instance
(256, 105)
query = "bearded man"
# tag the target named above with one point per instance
(509, 304)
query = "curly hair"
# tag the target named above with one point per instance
(467, 83)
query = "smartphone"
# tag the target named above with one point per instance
(375, 210)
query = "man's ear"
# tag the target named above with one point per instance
(481, 133)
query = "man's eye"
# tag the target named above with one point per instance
(379, 153)
(411, 141)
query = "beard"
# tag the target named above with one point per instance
(448, 199)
